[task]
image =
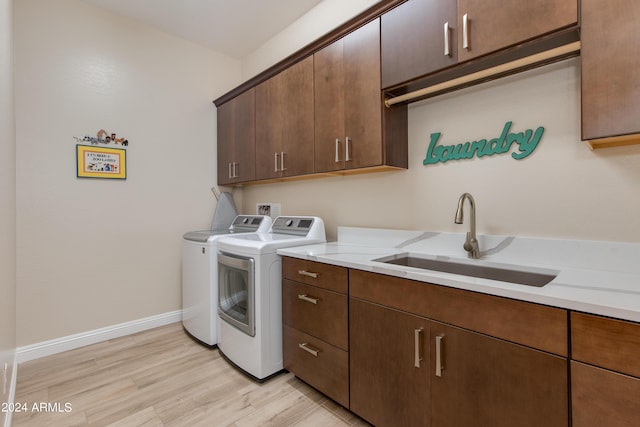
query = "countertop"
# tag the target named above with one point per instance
(592, 276)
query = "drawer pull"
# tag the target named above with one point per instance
(308, 349)
(439, 355)
(465, 31)
(447, 42)
(417, 358)
(307, 298)
(308, 274)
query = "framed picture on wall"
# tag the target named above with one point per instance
(99, 162)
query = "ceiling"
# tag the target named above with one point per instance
(233, 27)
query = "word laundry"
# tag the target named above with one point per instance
(525, 142)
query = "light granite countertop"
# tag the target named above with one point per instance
(592, 276)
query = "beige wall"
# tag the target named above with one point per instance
(561, 190)
(94, 253)
(7, 201)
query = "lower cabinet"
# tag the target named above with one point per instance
(478, 380)
(389, 361)
(315, 331)
(411, 371)
(605, 371)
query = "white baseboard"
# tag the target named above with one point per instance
(58, 345)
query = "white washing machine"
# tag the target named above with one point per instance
(200, 275)
(250, 293)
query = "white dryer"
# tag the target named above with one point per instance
(200, 275)
(250, 293)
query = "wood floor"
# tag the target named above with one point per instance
(161, 377)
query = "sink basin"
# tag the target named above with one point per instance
(512, 275)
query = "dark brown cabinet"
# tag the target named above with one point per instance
(486, 26)
(610, 71)
(315, 326)
(409, 367)
(284, 123)
(348, 105)
(389, 359)
(484, 381)
(236, 139)
(605, 371)
(418, 37)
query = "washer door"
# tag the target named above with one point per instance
(236, 291)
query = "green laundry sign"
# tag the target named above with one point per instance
(524, 142)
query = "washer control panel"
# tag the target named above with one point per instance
(292, 225)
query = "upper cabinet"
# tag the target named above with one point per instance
(423, 36)
(284, 123)
(348, 106)
(610, 72)
(486, 26)
(236, 139)
(418, 37)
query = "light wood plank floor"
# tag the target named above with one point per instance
(161, 377)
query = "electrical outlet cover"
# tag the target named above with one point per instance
(269, 209)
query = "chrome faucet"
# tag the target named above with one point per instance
(471, 244)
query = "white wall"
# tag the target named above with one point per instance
(562, 190)
(7, 201)
(94, 253)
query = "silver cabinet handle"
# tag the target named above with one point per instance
(282, 168)
(439, 355)
(337, 148)
(447, 41)
(465, 31)
(417, 358)
(276, 169)
(308, 349)
(307, 298)
(235, 170)
(347, 158)
(230, 170)
(308, 273)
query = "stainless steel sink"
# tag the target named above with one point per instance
(503, 274)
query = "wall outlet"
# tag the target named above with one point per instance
(269, 209)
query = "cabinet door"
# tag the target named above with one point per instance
(348, 102)
(284, 123)
(603, 398)
(496, 24)
(236, 139)
(610, 68)
(329, 93)
(363, 97)
(413, 39)
(489, 382)
(387, 389)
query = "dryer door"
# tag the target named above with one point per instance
(236, 291)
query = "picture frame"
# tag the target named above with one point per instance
(101, 162)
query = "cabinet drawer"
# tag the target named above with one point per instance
(541, 327)
(317, 274)
(321, 365)
(609, 343)
(321, 313)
